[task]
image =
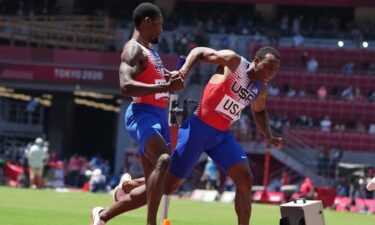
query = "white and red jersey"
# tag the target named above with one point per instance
(221, 104)
(153, 74)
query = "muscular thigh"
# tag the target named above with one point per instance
(226, 152)
(143, 126)
(193, 136)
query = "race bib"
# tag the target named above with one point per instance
(230, 108)
(164, 95)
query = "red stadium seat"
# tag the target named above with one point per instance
(326, 195)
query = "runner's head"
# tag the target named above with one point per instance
(148, 20)
(266, 63)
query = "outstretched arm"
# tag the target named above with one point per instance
(260, 115)
(222, 58)
(130, 68)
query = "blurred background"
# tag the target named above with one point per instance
(59, 92)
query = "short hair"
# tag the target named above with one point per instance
(144, 10)
(262, 52)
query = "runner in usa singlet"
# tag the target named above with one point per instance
(221, 104)
(147, 115)
(153, 74)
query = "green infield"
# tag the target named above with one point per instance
(48, 207)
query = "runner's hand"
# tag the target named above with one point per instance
(175, 83)
(275, 142)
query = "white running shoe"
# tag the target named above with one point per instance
(371, 185)
(95, 219)
(118, 193)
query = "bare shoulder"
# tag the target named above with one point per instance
(231, 58)
(132, 54)
(230, 55)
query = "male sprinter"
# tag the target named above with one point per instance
(142, 77)
(236, 84)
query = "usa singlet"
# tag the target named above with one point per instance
(153, 74)
(221, 104)
(147, 115)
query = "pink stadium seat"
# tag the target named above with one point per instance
(291, 107)
(341, 114)
(356, 141)
(341, 203)
(368, 142)
(323, 107)
(315, 110)
(367, 84)
(370, 203)
(313, 135)
(369, 115)
(358, 109)
(335, 139)
(330, 81)
(304, 108)
(323, 138)
(360, 204)
(345, 138)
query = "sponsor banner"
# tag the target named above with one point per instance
(76, 75)
(59, 74)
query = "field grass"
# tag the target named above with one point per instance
(48, 207)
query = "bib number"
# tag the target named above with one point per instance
(160, 96)
(230, 108)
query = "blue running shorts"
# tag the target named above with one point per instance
(143, 121)
(196, 137)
